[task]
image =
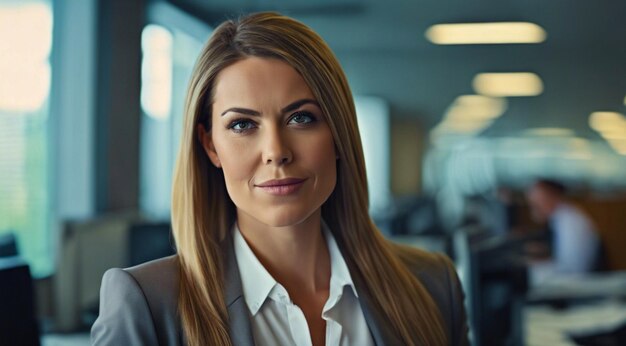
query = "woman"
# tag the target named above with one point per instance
(269, 214)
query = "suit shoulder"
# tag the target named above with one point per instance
(158, 280)
(138, 305)
(438, 275)
(159, 283)
(422, 262)
(433, 270)
(162, 271)
(125, 316)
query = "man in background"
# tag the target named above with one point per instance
(574, 241)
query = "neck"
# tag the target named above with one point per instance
(296, 255)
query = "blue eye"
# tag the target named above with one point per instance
(302, 118)
(241, 125)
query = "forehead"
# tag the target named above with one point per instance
(259, 82)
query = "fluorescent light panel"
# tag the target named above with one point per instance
(612, 127)
(619, 145)
(476, 107)
(470, 114)
(549, 132)
(508, 84)
(607, 122)
(614, 135)
(486, 33)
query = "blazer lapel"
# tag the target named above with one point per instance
(378, 324)
(238, 314)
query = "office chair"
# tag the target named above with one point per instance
(18, 324)
(8, 245)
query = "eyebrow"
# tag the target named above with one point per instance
(292, 106)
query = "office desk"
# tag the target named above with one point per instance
(582, 304)
(545, 325)
(579, 287)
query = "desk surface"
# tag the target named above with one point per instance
(573, 287)
(544, 325)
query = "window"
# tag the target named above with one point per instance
(25, 47)
(373, 118)
(168, 59)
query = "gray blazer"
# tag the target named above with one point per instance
(138, 304)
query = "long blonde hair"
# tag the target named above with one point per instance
(202, 211)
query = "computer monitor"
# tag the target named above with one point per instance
(149, 241)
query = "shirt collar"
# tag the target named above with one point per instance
(258, 283)
(340, 274)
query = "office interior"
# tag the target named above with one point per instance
(462, 105)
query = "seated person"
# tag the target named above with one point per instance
(575, 242)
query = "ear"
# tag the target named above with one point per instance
(204, 136)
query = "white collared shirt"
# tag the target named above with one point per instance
(575, 247)
(576, 242)
(276, 320)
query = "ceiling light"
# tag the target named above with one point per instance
(614, 135)
(486, 33)
(619, 145)
(607, 122)
(463, 126)
(508, 84)
(470, 114)
(549, 132)
(475, 108)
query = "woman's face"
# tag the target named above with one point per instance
(271, 140)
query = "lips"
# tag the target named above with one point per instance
(281, 187)
(281, 182)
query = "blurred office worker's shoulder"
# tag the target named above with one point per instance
(138, 305)
(438, 275)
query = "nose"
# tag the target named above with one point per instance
(276, 149)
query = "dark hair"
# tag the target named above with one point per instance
(552, 185)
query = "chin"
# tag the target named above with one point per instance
(284, 216)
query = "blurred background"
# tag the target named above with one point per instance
(495, 134)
